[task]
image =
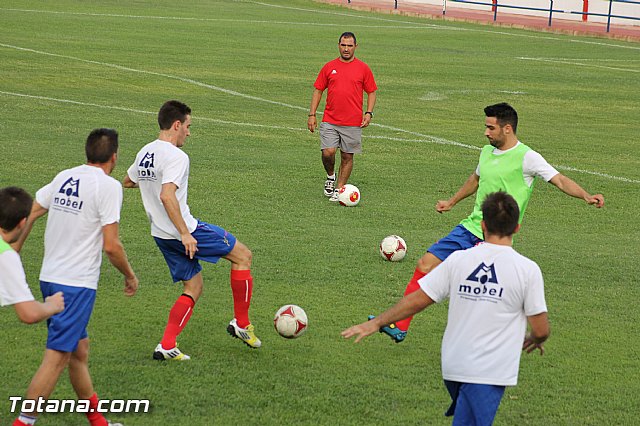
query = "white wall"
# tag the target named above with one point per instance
(595, 6)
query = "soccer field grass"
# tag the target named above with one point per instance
(246, 68)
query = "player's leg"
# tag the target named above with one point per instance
(82, 383)
(350, 144)
(426, 264)
(329, 142)
(44, 381)
(242, 289)
(346, 166)
(187, 270)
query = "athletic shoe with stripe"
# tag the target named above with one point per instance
(247, 335)
(174, 354)
(334, 196)
(114, 424)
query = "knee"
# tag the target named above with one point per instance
(425, 264)
(245, 257)
(328, 152)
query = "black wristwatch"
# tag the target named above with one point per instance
(370, 113)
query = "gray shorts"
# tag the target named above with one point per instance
(347, 138)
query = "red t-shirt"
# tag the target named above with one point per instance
(346, 82)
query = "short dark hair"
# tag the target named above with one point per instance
(504, 113)
(500, 213)
(15, 205)
(172, 111)
(101, 145)
(348, 34)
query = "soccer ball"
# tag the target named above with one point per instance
(349, 195)
(393, 248)
(290, 321)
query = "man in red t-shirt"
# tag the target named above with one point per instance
(346, 78)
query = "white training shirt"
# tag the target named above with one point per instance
(80, 201)
(533, 164)
(13, 281)
(157, 163)
(491, 290)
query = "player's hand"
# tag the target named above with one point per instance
(56, 301)
(312, 123)
(360, 331)
(530, 345)
(366, 119)
(596, 200)
(190, 245)
(443, 206)
(130, 286)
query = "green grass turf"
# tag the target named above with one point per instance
(113, 63)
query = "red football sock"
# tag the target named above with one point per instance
(411, 287)
(94, 417)
(178, 319)
(242, 288)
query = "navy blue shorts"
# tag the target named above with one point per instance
(213, 243)
(68, 327)
(458, 239)
(473, 404)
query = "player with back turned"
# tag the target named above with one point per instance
(493, 292)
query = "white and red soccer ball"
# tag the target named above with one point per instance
(349, 195)
(290, 321)
(393, 248)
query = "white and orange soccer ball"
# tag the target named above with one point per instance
(290, 321)
(349, 195)
(393, 248)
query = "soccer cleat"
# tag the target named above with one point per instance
(334, 196)
(328, 187)
(392, 331)
(114, 424)
(247, 335)
(174, 354)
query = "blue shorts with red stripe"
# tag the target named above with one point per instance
(458, 239)
(68, 327)
(213, 243)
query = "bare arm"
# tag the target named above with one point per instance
(312, 122)
(37, 211)
(467, 189)
(407, 306)
(114, 250)
(128, 183)
(371, 103)
(569, 187)
(33, 311)
(171, 205)
(539, 333)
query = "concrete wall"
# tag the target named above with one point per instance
(595, 6)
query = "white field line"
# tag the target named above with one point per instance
(319, 11)
(425, 139)
(194, 19)
(580, 64)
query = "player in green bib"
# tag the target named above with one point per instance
(505, 165)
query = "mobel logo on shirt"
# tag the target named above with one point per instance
(476, 286)
(146, 169)
(70, 199)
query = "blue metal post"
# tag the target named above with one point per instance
(609, 15)
(495, 11)
(550, 12)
